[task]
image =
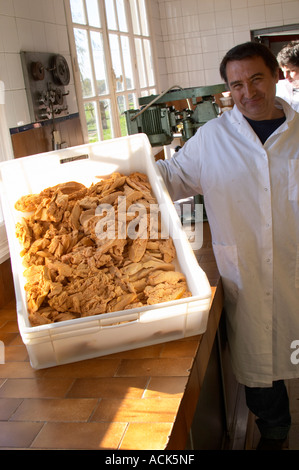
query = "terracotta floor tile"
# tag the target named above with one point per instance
(7, 337)
(166, 386)
(137, 410)
(98, 367)
(16, 353)
(17, 341)
(107, 387)
(80, 436)
(155, 367)
(10, 327)
(19, 370)
(35, 388)
(3, 320)
(7, 314)
(8, 406)
(54, 409)
(146, 352)
(186, 348)
(20, 435)
(10, 306)
(147, 436)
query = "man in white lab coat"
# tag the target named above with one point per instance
(288, 89)
(246, 164)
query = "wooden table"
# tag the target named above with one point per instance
(139, 399)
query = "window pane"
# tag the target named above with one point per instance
(140, 63)
(105, 116)
(121, 14)
(116, 61)
(78, 15)
(99, 62)
(93, 13)
(125, 47)
(132, 101)
(110, 14)
(84, 62)
(143, 18)
(128, 51)
(135, 19)
(121, 103)
(148, 62)
(91, 120)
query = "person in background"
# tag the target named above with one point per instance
(246, 165)
(288, 89)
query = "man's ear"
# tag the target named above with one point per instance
(277, 75)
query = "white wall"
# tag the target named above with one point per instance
(191, 38)
(194, 35)
(29, 25)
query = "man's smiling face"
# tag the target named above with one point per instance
(253, 88)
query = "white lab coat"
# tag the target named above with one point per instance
(251, 194)
(284, 90)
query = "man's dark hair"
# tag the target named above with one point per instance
(289, 55)
(246, 50)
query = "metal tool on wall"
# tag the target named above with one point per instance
(46, 75)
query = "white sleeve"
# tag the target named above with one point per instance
(182, 172)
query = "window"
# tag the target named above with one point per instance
(111, 44)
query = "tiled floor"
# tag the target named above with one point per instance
(137, 399)
(253, 435)
(30, 398)
(128, 400)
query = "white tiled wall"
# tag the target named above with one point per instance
(191, 37)
(194, 35)
(29, 25)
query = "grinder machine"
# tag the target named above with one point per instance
(160, 121)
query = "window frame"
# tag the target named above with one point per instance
(112, 93)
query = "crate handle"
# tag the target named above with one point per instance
(119, 320)
(74, 158)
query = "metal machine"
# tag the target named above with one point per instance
(160, 121)
(46, 75)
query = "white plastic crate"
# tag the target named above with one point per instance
(99, 335)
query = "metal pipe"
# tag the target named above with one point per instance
(156, 99)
